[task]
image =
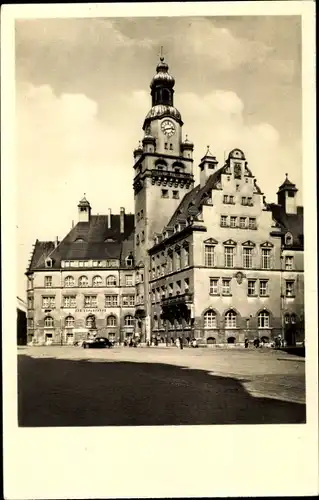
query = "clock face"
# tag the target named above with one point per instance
(168, 128)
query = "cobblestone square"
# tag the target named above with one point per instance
(70, 386)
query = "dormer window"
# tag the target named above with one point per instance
(129, 260)
(48, 262)
(288, 239)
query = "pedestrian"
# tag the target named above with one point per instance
(181, 342)
(246, 343)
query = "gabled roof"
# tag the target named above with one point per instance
(195, 198)
(292, 223)
(89, 240)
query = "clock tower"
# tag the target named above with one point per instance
(163, 174)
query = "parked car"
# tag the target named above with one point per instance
(98, 342)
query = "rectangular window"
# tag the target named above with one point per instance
(242, 222)
(209, 255)
(178, 260)
(244, 200)
(231, 200)
(69, 301)
(229, 257)
(48, 302)
(233, 221)
(265, 258)
(169, 262)
(90, 300)
(290, 288)
(30, 323)
(176, 195)
(111, 300)
(128, 300)
(252, 223)
(251, 288)
(250, 202)
(129, 280)
(213, 286)
(223, 220)
(289, 262)
(164, 193)
(263, 288)
(186, 256)
(226, 290)
(247, 258)
(48, 281)
(225, 199)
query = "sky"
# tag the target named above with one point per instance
(82, 93)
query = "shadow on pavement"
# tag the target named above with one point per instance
(62, 392)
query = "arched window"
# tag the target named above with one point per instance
(128, 320)
(293, 319)
(97, 281)
(210, 319)
(83, 281)
(211, 340)
(287, 319)
(288, 239)
(90, 321)
(111, 320)
(263, 319)
(69, 281)
(111, 281)
(231, 340)
(69, 322)
(48, 322)
(230, 319)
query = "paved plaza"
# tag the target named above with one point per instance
(71, 386)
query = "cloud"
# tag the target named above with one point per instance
(221, 46)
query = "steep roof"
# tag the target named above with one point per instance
(195, 198)
(292, 223)
(89, 240)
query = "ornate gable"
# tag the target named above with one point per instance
(248, 243)
(267, 244)
(211, 241)
(230, 243)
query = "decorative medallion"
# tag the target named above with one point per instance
(239, 277)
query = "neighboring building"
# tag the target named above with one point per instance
(21, 322)
(214, 261)
(85, 283)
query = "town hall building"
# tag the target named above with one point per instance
(213, 261)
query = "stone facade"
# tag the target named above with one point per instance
(214, 262)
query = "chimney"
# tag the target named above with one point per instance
(109, 219)
(122, 214)
(56, 241)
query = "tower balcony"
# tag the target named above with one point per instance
(164, 177)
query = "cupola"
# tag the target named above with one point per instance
(187, 148)
(84, 209)
(207, 166)
(138, 151)
(286, 196)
